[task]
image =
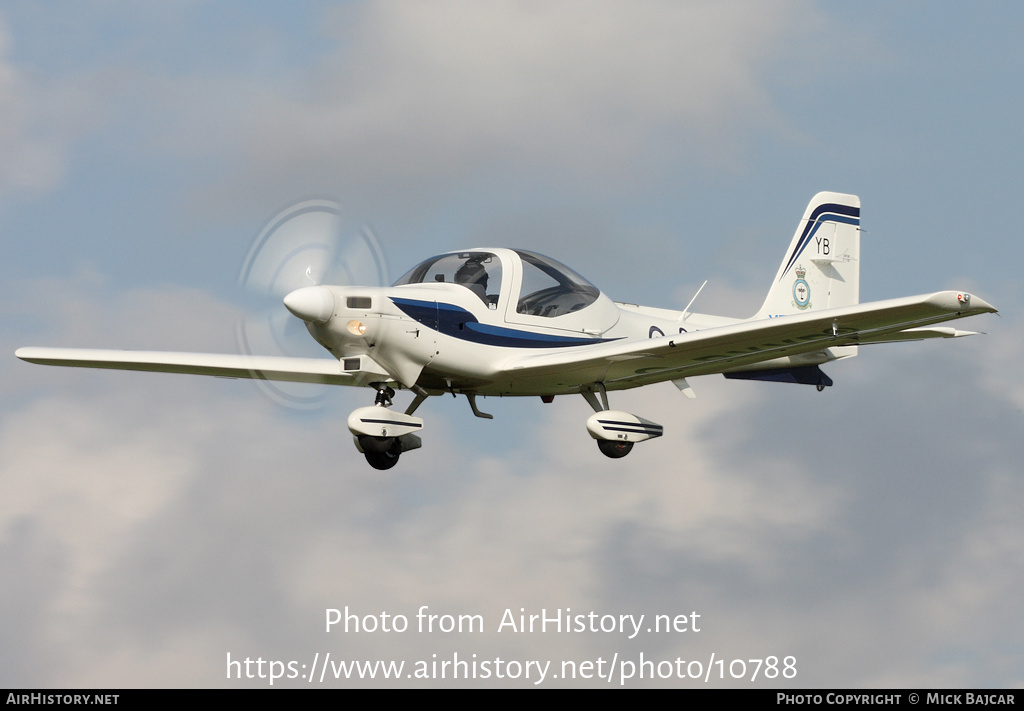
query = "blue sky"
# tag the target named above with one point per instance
(152, 523)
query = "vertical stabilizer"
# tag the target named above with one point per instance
(821, 269)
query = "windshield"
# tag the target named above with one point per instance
(551, 289)
(480, 272)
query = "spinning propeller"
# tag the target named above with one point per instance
(311, 243)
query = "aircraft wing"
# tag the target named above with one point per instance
(713, 350)
(296, 370)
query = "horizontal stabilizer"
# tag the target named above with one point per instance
(919, 334)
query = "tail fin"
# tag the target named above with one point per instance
(821, 269)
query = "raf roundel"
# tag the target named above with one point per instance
(801, 289)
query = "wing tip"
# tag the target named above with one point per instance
(28, 354)
(962, 302)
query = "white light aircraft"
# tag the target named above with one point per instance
(504, 322)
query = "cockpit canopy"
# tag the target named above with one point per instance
(480, 272)
(548, 289)
(551, 289)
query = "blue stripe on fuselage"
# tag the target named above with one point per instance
(457, 322)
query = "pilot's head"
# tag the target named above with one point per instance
(472, 272)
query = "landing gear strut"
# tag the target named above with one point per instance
(384, 396)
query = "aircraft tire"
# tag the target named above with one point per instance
(377, 445)
(614, 448)
(382, 460)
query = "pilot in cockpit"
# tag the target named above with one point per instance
(473, 276)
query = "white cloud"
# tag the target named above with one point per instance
(434, 94)
(27, 159)
(39, 119)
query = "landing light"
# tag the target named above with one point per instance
(356, 328)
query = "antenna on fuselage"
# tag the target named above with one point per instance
(686, 311)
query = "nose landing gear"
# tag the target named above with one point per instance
(382, 435)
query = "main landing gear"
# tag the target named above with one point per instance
(616, 431)
(381, 435)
